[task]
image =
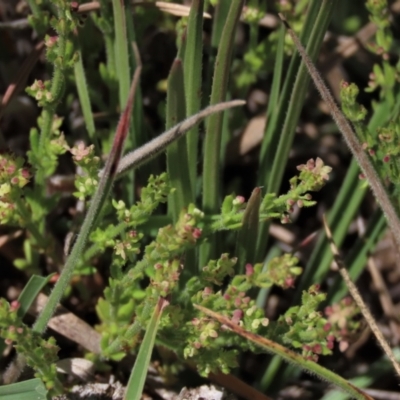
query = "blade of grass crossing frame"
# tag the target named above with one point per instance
(137, 379)
(177, 160)
(247, 236)
(291, 102)
(211, 165)
(32, 389)
(193, 61)
(288, 355)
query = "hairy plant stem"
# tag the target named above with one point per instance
(141, 155)
(288, 355)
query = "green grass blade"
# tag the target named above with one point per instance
(212, 150)
(32, 389)
(177, 158)
(137, 379)
(121, 51)
(219, 19)
(298, 94)
(83, 94)
(211, 174)
(271, 135)
(192, 75)
(247, 236)
(289, 356)
(139, 133)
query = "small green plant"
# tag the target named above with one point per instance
(175, 278)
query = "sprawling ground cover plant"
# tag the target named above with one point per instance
(184, 265)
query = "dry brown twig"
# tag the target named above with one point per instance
(383, 292)
(359, 301)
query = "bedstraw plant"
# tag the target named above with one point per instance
(175, 278)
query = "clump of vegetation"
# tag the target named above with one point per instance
(185, 260)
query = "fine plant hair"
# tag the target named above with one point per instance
(358, 299)
(352, 141)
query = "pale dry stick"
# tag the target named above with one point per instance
(382, 290)
(69, 325)
(16, 24)
(160, 143)
(359, 301)
(383, 394)
(352, 141)
(175, 9)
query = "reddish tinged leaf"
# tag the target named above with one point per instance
(122, 129)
